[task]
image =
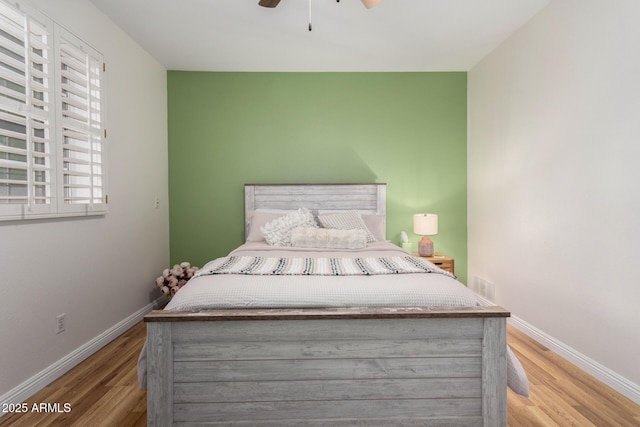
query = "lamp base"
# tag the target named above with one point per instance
(425, 247)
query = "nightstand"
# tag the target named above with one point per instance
(442, 261)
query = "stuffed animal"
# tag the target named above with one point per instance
(175, 278)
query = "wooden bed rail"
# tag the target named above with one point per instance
(326, 313)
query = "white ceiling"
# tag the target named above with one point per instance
(397, 35)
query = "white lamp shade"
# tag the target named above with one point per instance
(425, 224)
(370, 3)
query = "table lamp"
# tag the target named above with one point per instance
(425, 224)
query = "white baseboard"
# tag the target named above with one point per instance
(45, 377)
(590, 366)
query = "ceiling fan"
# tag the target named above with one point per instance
(273, 3)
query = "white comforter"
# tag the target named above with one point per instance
(221, 291)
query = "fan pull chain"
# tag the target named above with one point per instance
(309, 15)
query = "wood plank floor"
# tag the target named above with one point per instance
(103, 391)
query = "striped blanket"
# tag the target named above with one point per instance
(365, 266)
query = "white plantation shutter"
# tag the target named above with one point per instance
(80, 130)
(26, 176)
(51, 119)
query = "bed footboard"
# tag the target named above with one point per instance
(404, 366)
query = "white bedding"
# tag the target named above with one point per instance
(224, 291)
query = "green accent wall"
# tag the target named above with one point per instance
(227, 129)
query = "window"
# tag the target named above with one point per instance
(52, 136)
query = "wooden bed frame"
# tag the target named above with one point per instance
(409, 366)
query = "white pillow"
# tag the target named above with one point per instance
(348, 220)
(278, 231)
(308, 237)
(257, 220)
(375, 224)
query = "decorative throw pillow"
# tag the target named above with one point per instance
(308, 237)
(278, 231)
(348, 220)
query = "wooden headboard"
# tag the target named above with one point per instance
(365, 198)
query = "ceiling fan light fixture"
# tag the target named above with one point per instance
(371, 3)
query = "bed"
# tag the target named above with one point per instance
(240, 347)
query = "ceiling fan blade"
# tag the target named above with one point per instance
(268, 3)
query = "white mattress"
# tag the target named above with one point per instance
(225, 291)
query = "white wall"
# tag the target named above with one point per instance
(98, 271)
(554, 181)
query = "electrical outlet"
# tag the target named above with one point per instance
(61, 322)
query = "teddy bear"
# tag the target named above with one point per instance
(175, 278)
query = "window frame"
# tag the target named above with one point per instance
(64, 153)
